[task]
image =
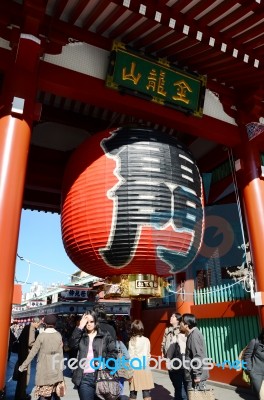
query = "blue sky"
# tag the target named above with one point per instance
(40, 242)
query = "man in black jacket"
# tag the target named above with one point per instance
(104, 324)
(195, 354)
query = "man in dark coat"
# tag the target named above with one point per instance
(12, 340)
(254, 359)
(25, 342)
(104, 324)
(195, 355)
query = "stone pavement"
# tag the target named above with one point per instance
(163, 388)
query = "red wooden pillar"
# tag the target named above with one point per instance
(15, 131)
(252, 191)
(184, 289)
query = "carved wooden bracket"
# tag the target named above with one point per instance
(250, 106)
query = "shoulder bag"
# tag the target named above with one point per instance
(126, 371)
(245, 374)
(201, 394)
(168, 340)
(106, 385)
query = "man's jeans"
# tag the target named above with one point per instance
(180, 386)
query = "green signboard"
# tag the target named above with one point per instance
(155, 80)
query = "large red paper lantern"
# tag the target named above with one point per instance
(132, 204)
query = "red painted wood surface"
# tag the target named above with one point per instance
(17, 294)
(227, 309)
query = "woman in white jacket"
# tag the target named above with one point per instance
(139, 348)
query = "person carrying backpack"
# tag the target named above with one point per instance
(254, 357)
(173, 347)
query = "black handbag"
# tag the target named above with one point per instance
(107, 386)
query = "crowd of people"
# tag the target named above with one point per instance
(93, 337)
(39, 337)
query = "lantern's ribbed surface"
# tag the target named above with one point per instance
(132, 203)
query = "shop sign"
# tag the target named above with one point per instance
(77, 294)
(18, 308)
(117, 309)
(36, 303)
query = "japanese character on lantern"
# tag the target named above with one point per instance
(151, 191)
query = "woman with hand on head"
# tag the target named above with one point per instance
(87, 338)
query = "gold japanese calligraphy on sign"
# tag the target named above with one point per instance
(155, 80)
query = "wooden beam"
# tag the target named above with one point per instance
(217, 156)
(41, 201)
(70, 84)
(70, 118)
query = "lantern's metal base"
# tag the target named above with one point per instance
(2, 394)
(135, 286)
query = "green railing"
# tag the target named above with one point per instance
(226, 337)
(218, 294)
(221, 172)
